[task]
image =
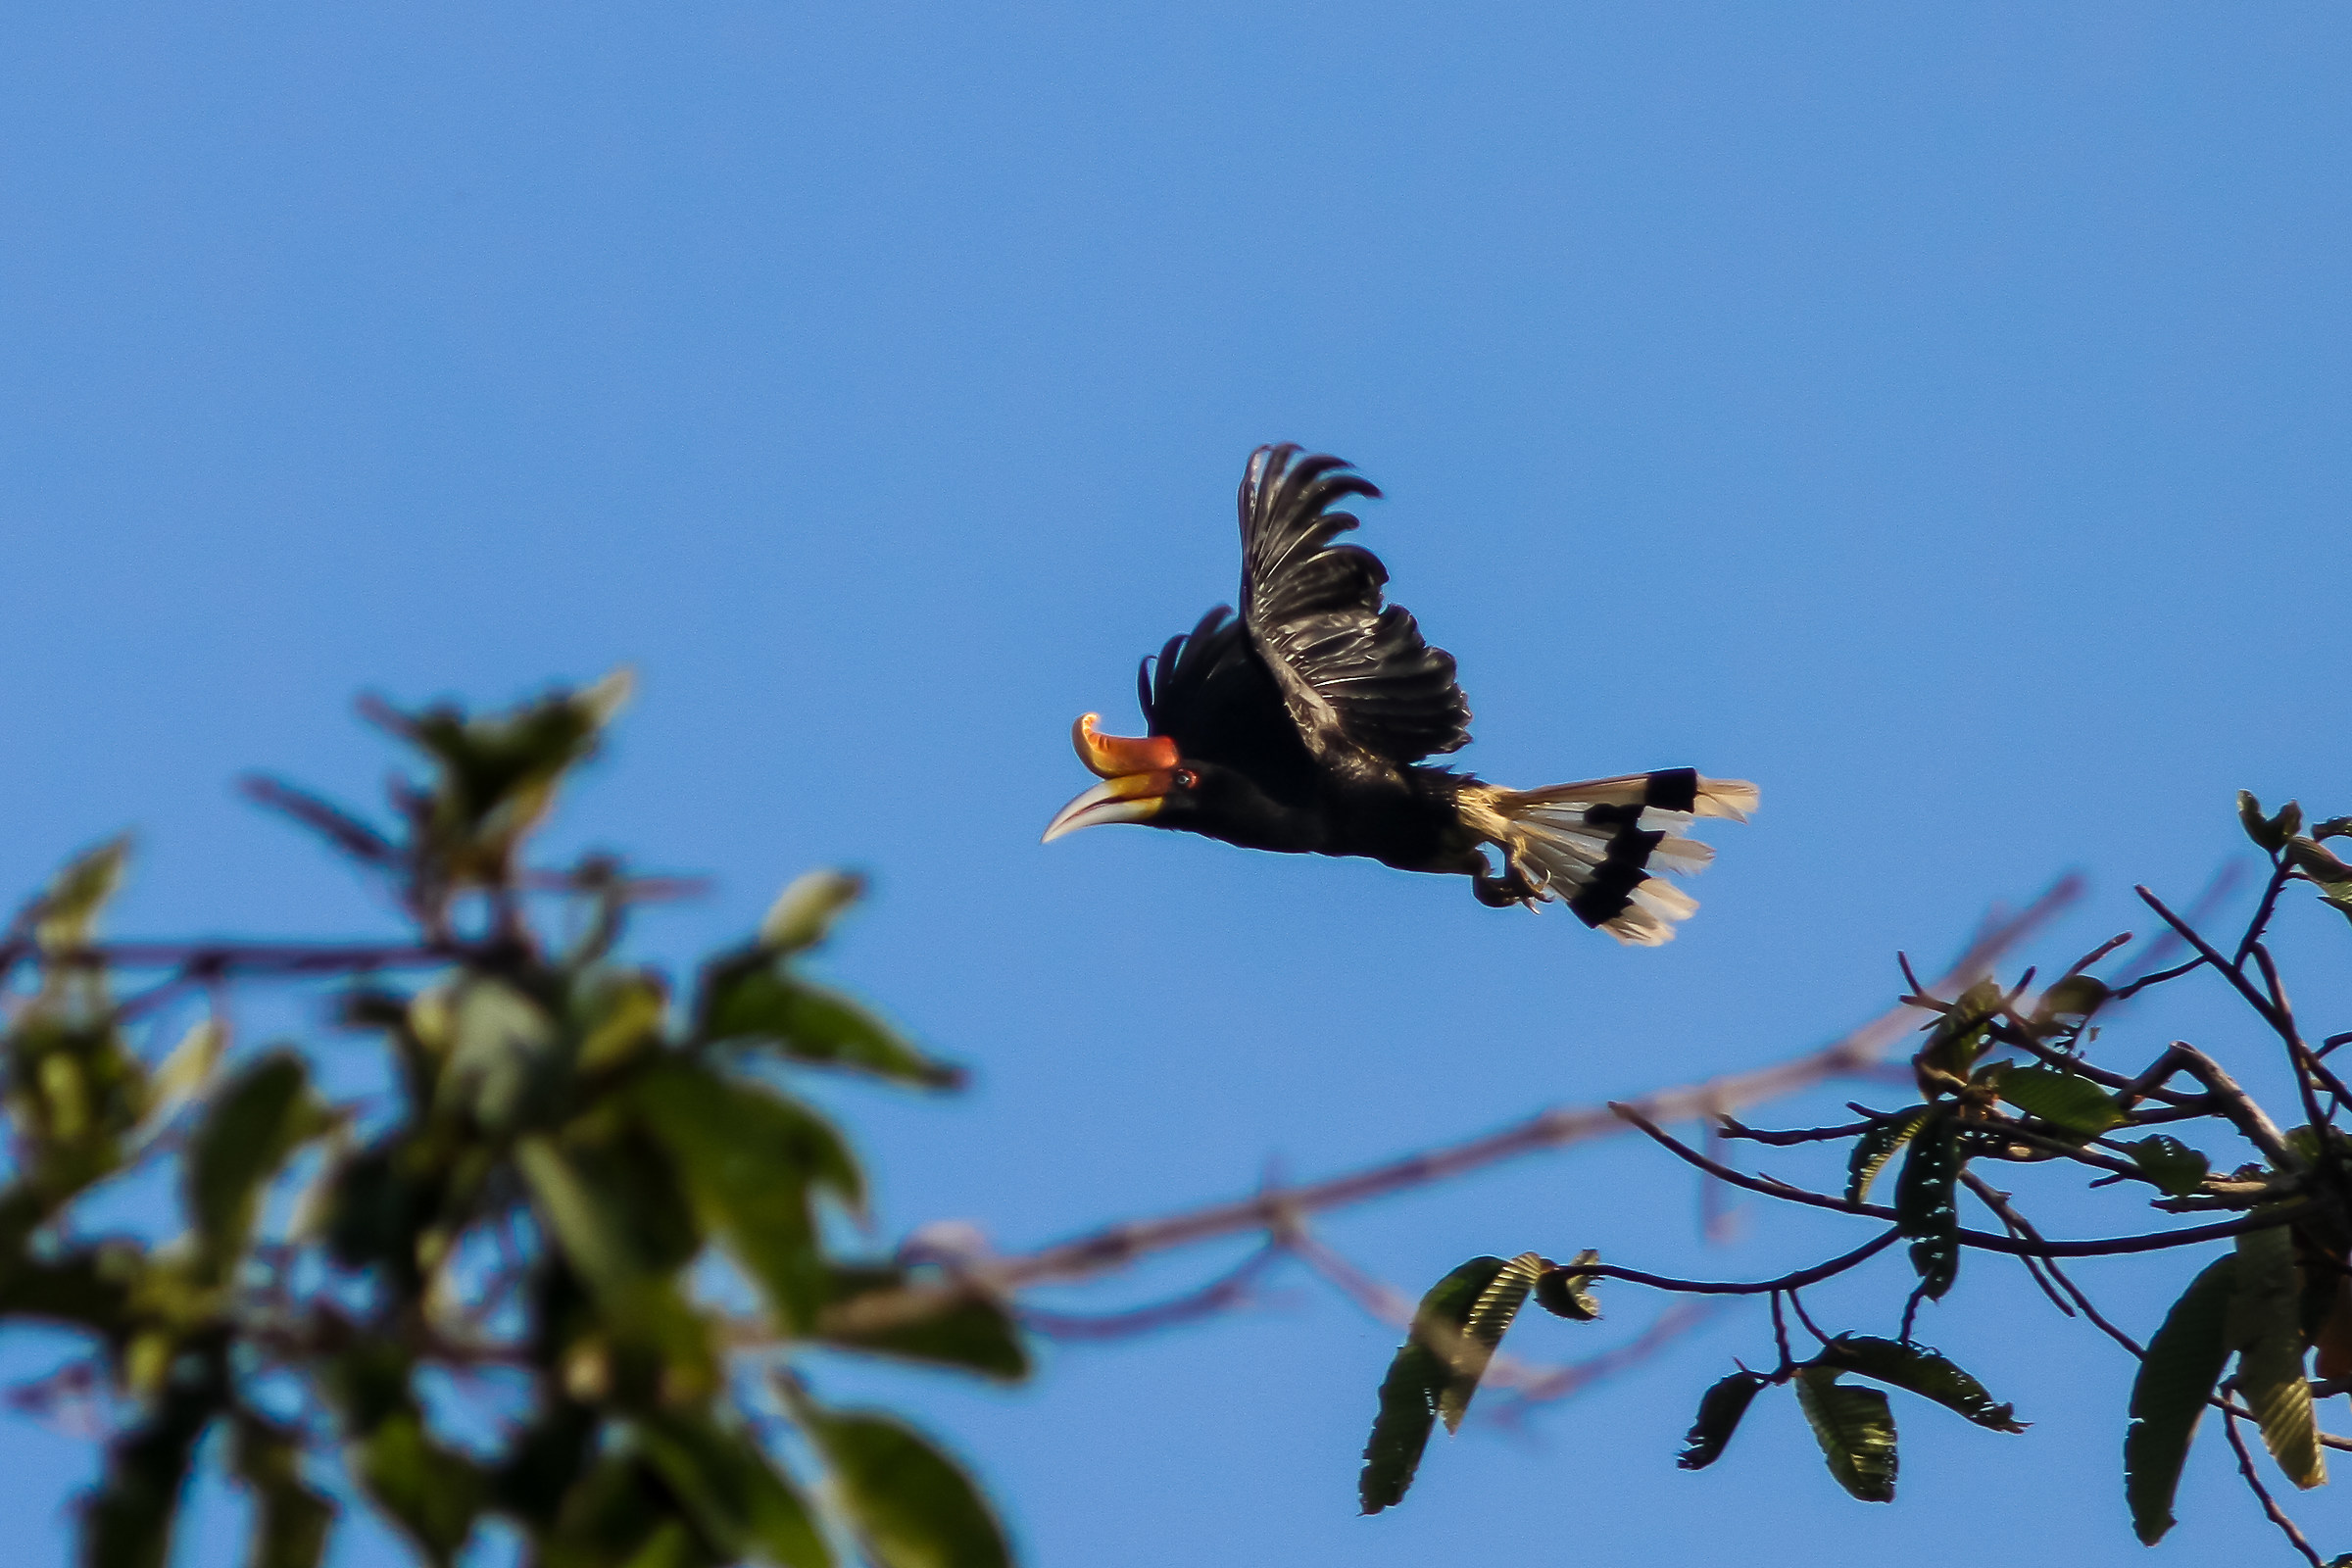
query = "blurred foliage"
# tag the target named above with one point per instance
(594, 1206)
(2263, 1331)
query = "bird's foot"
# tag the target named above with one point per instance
(1514, 886)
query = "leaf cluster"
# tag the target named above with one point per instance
(2008, 1078)
(599, 1205)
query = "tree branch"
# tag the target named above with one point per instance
(1116, 1246)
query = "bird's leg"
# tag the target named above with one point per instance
(1515, 886)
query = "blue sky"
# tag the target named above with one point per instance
(1933, 414)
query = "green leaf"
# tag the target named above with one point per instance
(1957, 1039)
(70, 908)
(127, 1521)
(2176, 1378)
(1925, 1206)
(430, 1492)
(2330, 875)
(2268, 833)
(1564, 1291)
(618, 1015)
(583, 1230)
(1855, 1429)
(809, 1024)
(1421, 1376)
(804, 914)
(187, 1069)
(963, 1329)
(2069, 1004)
(2170, 1164)
(1719, 1411)
(2065, 1100)
(260, 1117)
(499, 772)
(2265, 1326)
(749, 1157)
(618, 1223)
(2335, 827)
(505, 1064)
(909, 1506)
(1483, 1330)
(742, 1503)
(2314, 862)
(1876, 1146)
(1919, 1371)
(290, 1519)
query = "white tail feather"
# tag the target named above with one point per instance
(1733, 797)
(1550, 837)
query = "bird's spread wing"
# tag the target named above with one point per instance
(1210, 693)
(1352, 672)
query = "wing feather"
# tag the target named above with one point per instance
(1352, 672)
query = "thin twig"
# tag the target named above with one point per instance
(2262, 1493)
(2105, 1247)
(2281, 870)
(1787, 1282)
(1998, 1202)
(1117, 1247)
(1226, 1290)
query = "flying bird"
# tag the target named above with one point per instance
(1301, 725)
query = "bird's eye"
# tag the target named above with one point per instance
(1185, 778)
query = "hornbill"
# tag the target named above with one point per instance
(1301, 725)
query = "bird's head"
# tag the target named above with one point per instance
(1144, 780)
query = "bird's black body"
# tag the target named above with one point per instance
(1302, 724)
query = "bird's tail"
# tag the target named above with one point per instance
(1595, 845)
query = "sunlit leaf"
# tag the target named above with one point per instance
(187, 1069)
(1483, 1330)
(804, 914)
(1855, 1429)
(1919, 1371)
(2265, 1326)
(504, 1065)
(1876, 1146)
(1719, 1411)
(2065, 1100)
(70, 908)
(2176, 1378)
(1419, 1377)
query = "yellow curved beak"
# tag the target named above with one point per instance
(1129, 798)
